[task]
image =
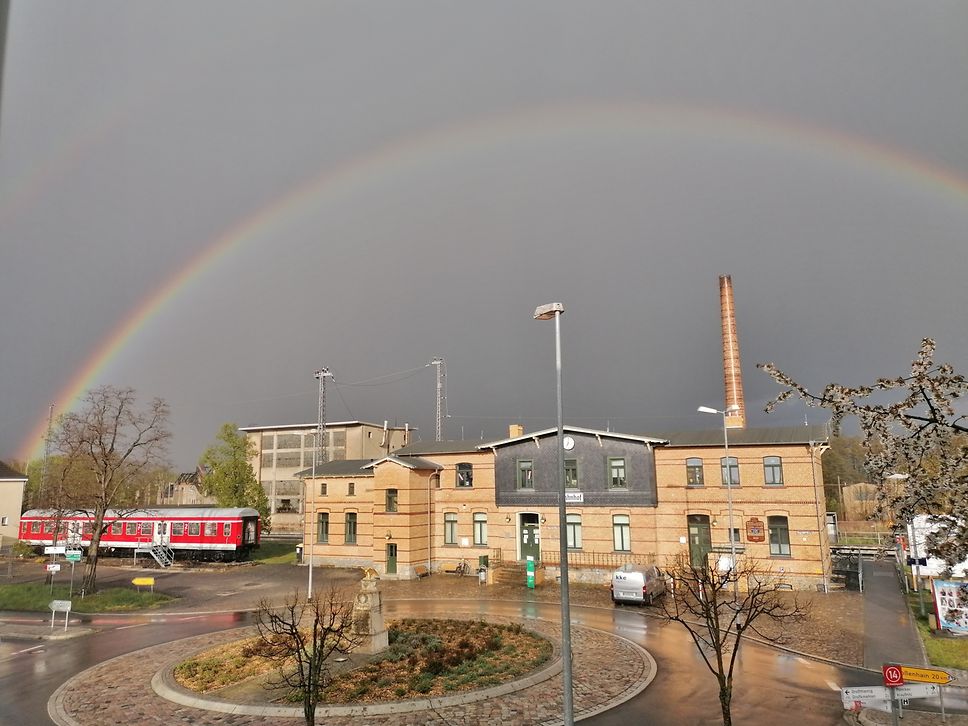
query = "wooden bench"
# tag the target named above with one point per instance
(420, 571)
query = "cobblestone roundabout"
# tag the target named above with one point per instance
(608, 670)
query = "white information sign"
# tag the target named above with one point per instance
(917, 690)
(574, 497)
(58, 550)
(860, 693)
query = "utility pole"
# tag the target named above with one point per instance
(43, 468)
(438, 363)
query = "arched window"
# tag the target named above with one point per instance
(573, 531)
(694, 472)
(730, 471)
(465, 474)
(621, 533)
(480, 528)
(773, 471)
(450, 528)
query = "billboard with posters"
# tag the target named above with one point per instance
(951, 605)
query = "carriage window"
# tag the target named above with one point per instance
(88, 528)
(226, 529)
(131, 528)
(177, 529)
(35, 527)
(146, 527)
(194, 529)
(116, 527)
(211, 529)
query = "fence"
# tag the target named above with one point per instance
(599, 560)
(860, 535)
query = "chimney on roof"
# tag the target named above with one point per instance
(515, 430)
(732, 371)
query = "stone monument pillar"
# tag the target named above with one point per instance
(368, 623)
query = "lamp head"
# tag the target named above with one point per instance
(706, 409)
(547, 312)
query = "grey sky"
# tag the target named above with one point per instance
(459, 164)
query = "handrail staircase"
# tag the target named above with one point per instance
(163, 554)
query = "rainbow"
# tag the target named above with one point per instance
(546, 124)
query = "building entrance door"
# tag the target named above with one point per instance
(391, 559)
(530, 537)
(700, 539)
(161, 533)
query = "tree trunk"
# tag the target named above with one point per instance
(725, 698)
(89, 585)
(309, 711)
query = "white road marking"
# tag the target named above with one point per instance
(833, 686)
(27, 650)
(126, 627)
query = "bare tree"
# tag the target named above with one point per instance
(910, 427)
(702, 602)
(300, 636)
(108, 448)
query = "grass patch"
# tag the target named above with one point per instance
(944, 651)
(222, 666)
(275, 553)
(37, 596)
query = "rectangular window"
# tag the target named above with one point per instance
(4, 521)
(465, 474)
(88, 529)
(35, 527)
(350, 537)
(211, 529)
(226, 529)
(694, 473)
(285, 505)
(267, 459)
(730, 471)
(131, 528)
(351, 489)
(616, 473)
(268, 442)
(773, 471)
(288, 441)
(450, 528)
(525, 474)
(621, 533)
(288, 460)
(177, 529)
(573, 531)
(779, 536)
(322, 527)
(146, 528)
(194, 529)
(323, 489)
(391, 500)
(571, 473)
(116, 527)
(480, 528)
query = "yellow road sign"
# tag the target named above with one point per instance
(143, 581)
(925, 675)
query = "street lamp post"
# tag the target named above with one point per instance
(310, 539)
(728, 480)
(547, 312)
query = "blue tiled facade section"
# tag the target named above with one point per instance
(592, 458)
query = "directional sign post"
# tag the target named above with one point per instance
(57, 606)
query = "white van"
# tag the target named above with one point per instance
(637, 583)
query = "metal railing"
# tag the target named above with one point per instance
(603, 560)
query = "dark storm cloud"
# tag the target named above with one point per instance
(476, 161)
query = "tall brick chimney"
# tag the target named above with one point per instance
(732, 371)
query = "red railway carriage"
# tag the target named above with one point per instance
(202, 533)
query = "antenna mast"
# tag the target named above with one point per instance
(43, 469)
(321, 449)
(441, 367)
